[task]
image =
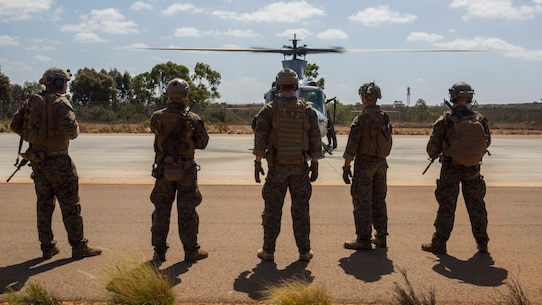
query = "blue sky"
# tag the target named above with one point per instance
(37, 34)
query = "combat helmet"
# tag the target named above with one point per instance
(53, 73)
(461, 90)
(287, 77)
(370, 90)
(177, 87)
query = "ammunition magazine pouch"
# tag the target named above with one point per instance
(33, 156)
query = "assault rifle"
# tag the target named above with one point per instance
(454, 110)
(19, 165)
(429, 165)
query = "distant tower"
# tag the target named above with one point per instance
(408, 96)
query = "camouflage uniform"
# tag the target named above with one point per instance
(281, 177)
(451, 175)
(369, 185)
(54, 173)
(331, 134)
(179, 146)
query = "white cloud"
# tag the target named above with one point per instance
(276, 12)
(493, 44)
(177, 8)
(332, 34)
(42, 58)
(422, 36)
(88, 38)
(299, 34)
(240, 33)
(134, 46)
(106, 21)
(497, 9)
(23, 9)
(376, 15)
(6, 40)
(140, 6)
(187, 32)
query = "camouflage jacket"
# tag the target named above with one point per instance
(440, 137)
(190, 132)
(264, 126)
(67, 127)
(359, 129)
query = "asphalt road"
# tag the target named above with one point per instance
(116, 185)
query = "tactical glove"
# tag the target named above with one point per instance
(314, 171)
(347, 174)
(258, 170)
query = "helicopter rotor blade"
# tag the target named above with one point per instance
(412, 50)
(286, 51)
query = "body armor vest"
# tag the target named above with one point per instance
(290, 124)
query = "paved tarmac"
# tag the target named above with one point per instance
(116, 212)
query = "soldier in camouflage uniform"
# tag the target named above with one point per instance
(369, 184)
(53, 171)
(286, 145)
(178, 133)
(452, 174)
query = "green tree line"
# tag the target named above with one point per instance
(112, 96)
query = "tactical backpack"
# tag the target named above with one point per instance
(379, 140)
(290, 124)
(382, 141)
(35, 124)
(468, 140)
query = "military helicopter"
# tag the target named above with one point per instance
(307, 90)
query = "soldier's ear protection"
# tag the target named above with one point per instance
(58, 83)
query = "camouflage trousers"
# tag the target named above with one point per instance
(279, 179)
(368, 190)
(188, 198)
(56, 177)
(474, 190)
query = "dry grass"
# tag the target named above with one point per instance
(35, 294)
(515, 294)
(297, 291)
(132, 282)
(406, 295)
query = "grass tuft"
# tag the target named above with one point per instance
(132, 282)
(35, 294)
(407, 296)
(515, 294)
(297, 291)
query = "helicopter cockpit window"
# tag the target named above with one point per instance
(314, 97)
(270, 95)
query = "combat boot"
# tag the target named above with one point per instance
(306, 256)
(358, 245)
(266, 256)
(196, 255)
(435, 247)
(49, 252)
(84, 251)
(159, 256)
(379, 241)
(482, 247)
